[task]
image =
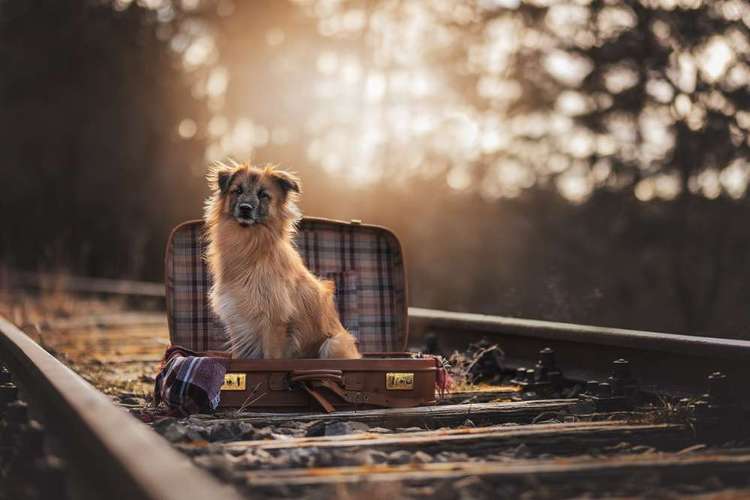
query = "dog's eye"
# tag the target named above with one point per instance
(237, 190)
(264, 195)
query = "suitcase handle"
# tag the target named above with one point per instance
(312, 381)
(314, 375)
(308, 379)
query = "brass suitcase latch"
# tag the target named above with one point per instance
(234, 382)
(398, 381)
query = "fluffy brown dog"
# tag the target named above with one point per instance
(272, 305)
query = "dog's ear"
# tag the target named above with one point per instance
(286, 181)
(219, 177)
(223, 179)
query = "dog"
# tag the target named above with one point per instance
(272, 306)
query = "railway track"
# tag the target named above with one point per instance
(644, 427)
(662, 362)
(51, 414)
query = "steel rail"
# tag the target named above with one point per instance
(663, 362)
(116, 455)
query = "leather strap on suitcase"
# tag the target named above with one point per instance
(312, 381)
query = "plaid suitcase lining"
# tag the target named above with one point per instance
(365, 263)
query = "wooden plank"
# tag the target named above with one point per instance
(483, 394)
(480, 438)
(724, 494)
(424, 416)
(599, 468)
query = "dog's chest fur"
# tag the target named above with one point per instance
(251, 304)
(260, 292)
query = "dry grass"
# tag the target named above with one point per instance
(87, 349)
(462, 364)
(666, 411)
(32, 311)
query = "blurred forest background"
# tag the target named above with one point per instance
(580, 160)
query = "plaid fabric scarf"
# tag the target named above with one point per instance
(190, 382)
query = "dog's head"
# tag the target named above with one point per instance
(253, 196)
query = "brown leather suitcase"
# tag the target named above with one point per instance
(367, 266)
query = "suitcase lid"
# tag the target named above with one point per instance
(365, 262)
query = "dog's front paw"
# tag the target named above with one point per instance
(343, 345)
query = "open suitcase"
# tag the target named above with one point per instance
(366, 264)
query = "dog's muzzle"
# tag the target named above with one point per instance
(245, 213)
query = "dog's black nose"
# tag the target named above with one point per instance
(246, 210)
